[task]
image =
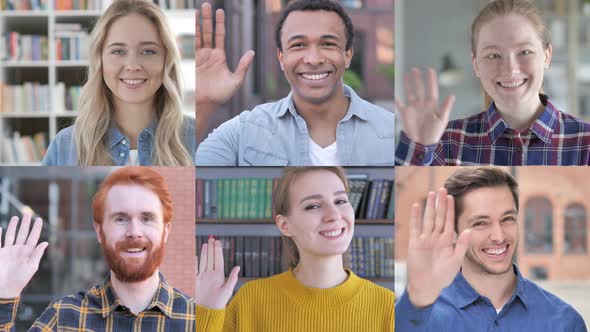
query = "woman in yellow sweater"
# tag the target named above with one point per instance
(317, 293)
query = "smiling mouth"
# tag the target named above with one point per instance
(133, 83)
(496, 252)
(513, 84)
(135, 250)
(314, 77)
(333, 234)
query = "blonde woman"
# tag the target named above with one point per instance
(317, 293)
(130, 107)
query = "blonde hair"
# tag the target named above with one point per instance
(96, 104)
(281, 198)
(524, 8)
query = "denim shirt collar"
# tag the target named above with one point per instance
(543, 126)
(355, 107)
(115, 136)
(463, 295)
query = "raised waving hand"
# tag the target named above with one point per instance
(212, 290)
(424, 120)
(215, 82)
(434, 259)
(19, 255)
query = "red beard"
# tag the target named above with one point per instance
(130, 269)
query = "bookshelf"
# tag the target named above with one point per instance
(261, 228)
(42, 108)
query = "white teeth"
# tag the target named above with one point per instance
(134, 81)
(314, 77)
(135, 250)
(512, 84)
(498, 251)
(333, 233)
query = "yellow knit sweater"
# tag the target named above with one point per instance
(282, 303)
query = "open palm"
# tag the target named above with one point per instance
(433, 258)
(215, 82)
(423, 119)
(212, 291)
(20, 257)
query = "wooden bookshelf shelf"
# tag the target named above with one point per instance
(24, 64)
(39, 114)
(24, 13)
(77, 13)
(71, 63)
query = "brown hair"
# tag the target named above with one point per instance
(524, 8)
(281, 197)
(135, 175)
(466, 180)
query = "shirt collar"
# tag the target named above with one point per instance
(462, 294)
(115, 135)
(543, 126)
(161, 300)
(355, 107)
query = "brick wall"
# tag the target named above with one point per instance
(179, 263)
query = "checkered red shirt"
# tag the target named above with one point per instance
(555, 138)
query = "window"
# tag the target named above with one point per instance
(352, 3)
(575, 229)
(538, 225)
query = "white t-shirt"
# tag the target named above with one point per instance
(133, 158)
(327, 156)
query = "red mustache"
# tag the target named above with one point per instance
(134, 243)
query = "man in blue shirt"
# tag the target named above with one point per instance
(321, 122)
(472, 284)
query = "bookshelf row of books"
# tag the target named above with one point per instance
(28, 97)
(15, 46)
(23, 4)
(23, 149)
(258, 257)
(34, 97)
(251, 198)
(78, 4)
(231, 198)
(71, 41)
(176, 4)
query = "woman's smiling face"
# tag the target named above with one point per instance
(133, 60)
(510, 59)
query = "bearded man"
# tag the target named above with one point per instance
(132, 218)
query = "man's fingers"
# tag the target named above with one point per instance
(244, 64)
(429, 214)
(449, 225)
(415, 221)
(432, 85)
(441, 209)
(207, 25)
(418, 83)
(446, 108)
(462, 245)
(38, 253)
(23, 231)
(410, 94)
(220, 29)
(35, 233)
(11, 231)
(198, 41)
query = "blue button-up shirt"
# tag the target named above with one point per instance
(274, 134)
(460, 308)
(62, 150)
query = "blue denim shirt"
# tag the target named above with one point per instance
(62, 151)
(461, 308)
(274, 134)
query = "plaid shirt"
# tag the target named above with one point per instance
(555, 138)
(98, 309)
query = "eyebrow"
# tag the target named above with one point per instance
(496, 47)
(321, 37)
(316, 196)
(143, 43)
(482, 216)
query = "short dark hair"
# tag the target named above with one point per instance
(466, 180)
(313, 5)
